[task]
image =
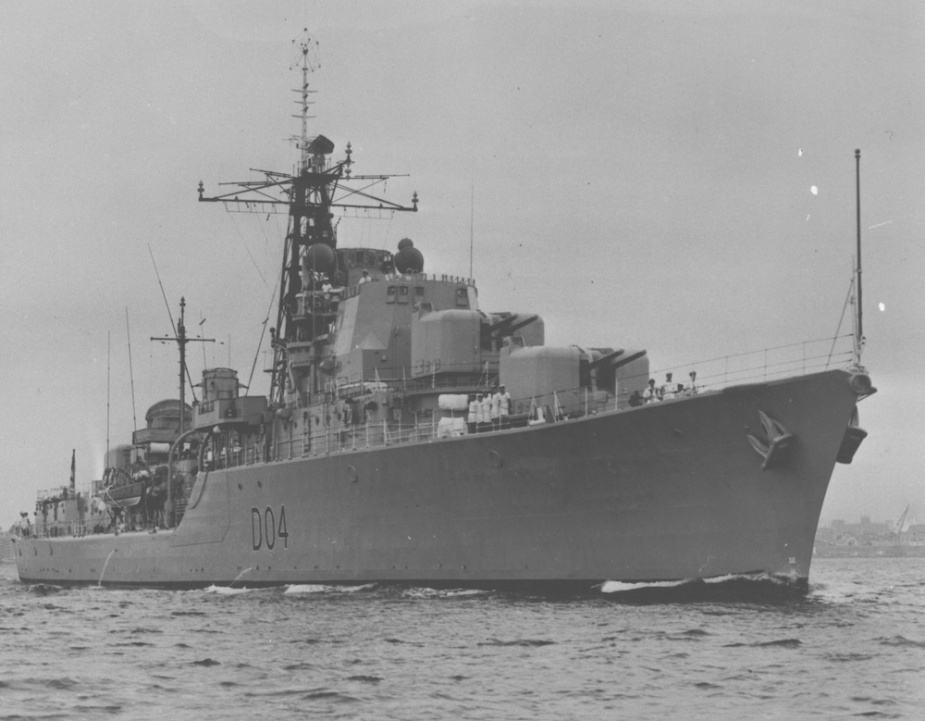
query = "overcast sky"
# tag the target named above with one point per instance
(642, 175)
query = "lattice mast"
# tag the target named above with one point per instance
(310, 193)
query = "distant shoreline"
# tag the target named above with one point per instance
(826, 551)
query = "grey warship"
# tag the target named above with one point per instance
(410, 436)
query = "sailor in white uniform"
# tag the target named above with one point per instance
(495, 408)
(473, 417)
(502, 400)
(485, 415)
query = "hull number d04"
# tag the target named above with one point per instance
(266, 531)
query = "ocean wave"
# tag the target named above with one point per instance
(206, 662)
(422, 592)
(325, 695)
(227, 590)
(900, 641)
(365, 679)
(779, 642)
(308, 588)
(525, 642)
(622, 587)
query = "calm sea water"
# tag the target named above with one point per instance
(854, 647)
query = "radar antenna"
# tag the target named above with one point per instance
(306, 57)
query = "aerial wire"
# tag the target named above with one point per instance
(249, 254)
(108, 356)
(163, 294)
(202, 331)
(170, 315)
(262, 334)
(131, 373)
(842, 318)
(471, 226)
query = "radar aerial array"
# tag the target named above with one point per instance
(277, 192)
(308, 59)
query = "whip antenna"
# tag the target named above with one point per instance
(172, 324)
(131, 373)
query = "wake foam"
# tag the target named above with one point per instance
(227, 590)
(308, 588)
(759, 587)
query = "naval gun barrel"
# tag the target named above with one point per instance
(509, 325)
(605, 359)
(629, 359)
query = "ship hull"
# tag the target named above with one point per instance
(667, 491)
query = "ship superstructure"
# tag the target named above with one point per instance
(411, 436)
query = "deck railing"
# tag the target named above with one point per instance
(565, 404)
(767, 364)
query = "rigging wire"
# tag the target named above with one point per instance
(108, 367)
(170, 315)
(202, 331)
(841, 320)
(269, 247)
(131, 373)
(263, 332)
(249, 254)
(163, 294)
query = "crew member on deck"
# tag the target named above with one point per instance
(473, 417)
(486, 412)
(365, 278)
(667, 390)
(650, 394)
(504, 406)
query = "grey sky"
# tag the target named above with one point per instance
(641, 176)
